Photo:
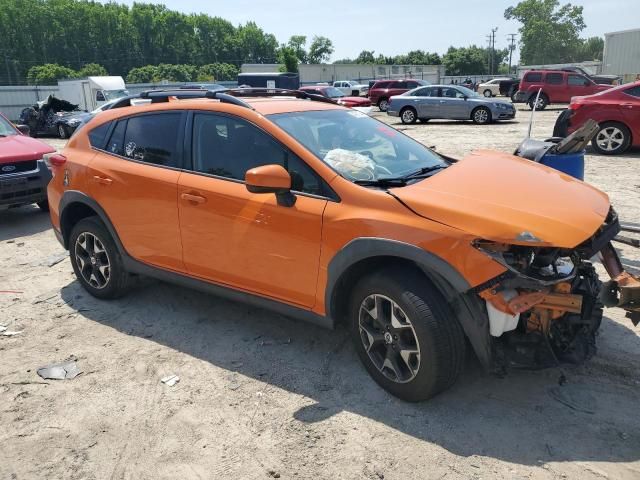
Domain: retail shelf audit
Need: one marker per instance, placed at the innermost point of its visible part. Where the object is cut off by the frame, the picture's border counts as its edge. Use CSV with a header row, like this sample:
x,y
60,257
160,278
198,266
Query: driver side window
x,y
227,147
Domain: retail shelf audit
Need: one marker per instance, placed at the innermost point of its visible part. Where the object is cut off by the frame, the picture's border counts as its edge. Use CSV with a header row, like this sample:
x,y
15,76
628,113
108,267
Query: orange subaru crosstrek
x,y
323,213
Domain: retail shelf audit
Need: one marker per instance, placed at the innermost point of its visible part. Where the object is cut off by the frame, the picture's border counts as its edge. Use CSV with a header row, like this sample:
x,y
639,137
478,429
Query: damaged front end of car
x,y
547,306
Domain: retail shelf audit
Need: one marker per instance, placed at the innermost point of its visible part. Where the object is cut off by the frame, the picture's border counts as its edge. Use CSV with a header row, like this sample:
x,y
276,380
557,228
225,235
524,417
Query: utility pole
x,y
493,49
489,54
512,47
6,62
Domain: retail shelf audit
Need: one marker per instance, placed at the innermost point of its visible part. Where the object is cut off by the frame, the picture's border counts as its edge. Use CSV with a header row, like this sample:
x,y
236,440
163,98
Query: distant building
x,y
622,54
329,73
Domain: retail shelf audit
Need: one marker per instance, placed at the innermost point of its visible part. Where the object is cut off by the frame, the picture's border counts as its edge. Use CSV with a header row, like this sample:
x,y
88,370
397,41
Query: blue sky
x,y
396,27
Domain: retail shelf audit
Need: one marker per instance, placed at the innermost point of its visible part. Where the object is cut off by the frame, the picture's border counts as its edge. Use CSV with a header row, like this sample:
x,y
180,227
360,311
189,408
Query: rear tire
x,y
96,260
408,115
419,351
613,138
487,93
383,104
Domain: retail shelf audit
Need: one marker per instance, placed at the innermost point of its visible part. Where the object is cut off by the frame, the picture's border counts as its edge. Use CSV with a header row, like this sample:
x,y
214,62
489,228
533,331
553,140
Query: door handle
x,y
189,197
627,105
102,180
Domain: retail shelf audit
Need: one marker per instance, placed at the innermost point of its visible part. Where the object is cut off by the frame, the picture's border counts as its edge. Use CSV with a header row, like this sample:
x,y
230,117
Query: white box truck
x,y
91,92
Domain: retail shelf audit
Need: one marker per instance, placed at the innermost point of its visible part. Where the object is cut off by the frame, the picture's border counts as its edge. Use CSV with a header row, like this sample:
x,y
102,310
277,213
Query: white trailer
x,y
91,92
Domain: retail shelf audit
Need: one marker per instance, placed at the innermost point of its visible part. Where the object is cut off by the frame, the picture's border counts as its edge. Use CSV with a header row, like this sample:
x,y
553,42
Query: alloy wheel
x,y
384,105
92,260
481,115
389,339
408,116
610,139
487,93
62,133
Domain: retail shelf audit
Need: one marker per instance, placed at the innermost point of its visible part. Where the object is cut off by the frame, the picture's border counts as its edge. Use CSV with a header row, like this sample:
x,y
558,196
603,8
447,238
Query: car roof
x,y
261,105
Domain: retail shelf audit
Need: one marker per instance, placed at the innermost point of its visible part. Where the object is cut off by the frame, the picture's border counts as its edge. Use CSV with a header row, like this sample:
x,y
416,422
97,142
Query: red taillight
x,y
54,159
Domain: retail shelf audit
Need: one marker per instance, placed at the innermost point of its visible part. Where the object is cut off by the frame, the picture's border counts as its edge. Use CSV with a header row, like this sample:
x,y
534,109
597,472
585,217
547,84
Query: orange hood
x,y
499,197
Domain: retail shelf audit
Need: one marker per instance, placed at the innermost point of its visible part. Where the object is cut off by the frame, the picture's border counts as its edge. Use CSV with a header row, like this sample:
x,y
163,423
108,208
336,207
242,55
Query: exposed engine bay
x,y
547,307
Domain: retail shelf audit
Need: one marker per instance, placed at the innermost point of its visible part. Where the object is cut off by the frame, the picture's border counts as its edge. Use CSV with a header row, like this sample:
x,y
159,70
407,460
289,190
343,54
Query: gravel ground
x,y
261,396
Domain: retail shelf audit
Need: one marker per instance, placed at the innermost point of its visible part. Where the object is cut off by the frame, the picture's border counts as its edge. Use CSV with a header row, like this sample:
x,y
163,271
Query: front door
x,y
135,180
241,239
453,104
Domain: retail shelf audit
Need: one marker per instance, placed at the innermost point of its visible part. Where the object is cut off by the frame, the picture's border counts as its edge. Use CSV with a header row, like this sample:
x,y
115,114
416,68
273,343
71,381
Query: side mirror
x,y
24,129
271,179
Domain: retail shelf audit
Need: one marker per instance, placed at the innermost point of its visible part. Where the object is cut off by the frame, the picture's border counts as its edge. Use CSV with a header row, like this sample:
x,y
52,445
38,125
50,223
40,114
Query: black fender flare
x,y
468,308
71,197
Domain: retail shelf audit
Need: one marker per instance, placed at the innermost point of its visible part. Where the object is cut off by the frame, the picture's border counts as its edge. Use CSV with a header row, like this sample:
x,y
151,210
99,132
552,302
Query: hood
x,y
73,117
18,148
496,196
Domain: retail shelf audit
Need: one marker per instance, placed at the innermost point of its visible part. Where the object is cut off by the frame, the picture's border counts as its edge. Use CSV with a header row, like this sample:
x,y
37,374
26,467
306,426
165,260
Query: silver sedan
x,y
450,102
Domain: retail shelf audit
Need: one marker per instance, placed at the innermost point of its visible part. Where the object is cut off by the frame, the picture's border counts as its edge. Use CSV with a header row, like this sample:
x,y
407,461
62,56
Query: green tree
x,y
418,57
298,43
287,56
471,60
591,49
320,50
217,72
549,32
144,74
175,73
92,69
49,74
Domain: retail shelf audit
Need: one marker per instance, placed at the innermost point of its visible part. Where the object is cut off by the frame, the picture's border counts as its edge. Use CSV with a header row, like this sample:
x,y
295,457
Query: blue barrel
x,y
571,163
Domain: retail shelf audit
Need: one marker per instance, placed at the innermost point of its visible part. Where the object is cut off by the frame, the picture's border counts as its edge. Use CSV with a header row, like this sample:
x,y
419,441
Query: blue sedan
x,y
450,102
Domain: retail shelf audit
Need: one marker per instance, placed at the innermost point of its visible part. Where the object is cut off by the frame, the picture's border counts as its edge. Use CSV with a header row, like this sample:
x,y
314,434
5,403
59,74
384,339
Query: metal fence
x,y
14,99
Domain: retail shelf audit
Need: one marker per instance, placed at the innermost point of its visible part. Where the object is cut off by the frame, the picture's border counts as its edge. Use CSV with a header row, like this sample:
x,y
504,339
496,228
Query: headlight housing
x,y
544,265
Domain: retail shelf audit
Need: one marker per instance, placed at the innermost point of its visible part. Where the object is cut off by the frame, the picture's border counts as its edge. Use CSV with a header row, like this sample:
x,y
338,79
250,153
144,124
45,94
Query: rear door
x,y
427,102
134,178
556,86
241,239
577,85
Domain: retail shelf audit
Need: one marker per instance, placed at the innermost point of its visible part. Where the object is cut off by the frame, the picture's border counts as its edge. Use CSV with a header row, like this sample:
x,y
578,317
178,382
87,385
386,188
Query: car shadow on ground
x,y
526,418
632,152
23,222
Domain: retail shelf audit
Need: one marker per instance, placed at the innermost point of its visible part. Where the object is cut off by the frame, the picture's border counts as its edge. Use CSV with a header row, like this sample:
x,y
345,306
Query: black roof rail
x,y
230,95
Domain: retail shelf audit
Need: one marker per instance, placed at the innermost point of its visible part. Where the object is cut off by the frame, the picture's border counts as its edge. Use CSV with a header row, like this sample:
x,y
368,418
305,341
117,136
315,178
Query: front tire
x,y
96,260
543,101
481,116
408,115
43,205
487,93
613,138
405,334
383,104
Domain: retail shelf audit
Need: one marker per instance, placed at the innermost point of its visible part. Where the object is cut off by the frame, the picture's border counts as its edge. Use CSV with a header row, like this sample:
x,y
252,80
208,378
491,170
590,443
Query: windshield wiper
x,y
382,182
423,172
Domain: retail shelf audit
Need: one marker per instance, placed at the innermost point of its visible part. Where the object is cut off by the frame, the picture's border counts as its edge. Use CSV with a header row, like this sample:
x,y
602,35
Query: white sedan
x,y
491,88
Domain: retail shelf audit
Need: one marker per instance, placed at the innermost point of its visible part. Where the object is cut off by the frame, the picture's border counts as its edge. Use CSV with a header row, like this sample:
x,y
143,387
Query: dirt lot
x,y
262,396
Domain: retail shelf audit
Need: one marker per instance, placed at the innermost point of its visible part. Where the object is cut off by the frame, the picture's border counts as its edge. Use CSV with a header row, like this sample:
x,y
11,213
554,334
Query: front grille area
x,y
18,167
20,194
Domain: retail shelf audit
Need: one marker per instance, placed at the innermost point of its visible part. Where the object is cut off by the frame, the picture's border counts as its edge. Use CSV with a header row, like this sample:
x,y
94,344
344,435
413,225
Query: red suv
x,y
381,91
558,86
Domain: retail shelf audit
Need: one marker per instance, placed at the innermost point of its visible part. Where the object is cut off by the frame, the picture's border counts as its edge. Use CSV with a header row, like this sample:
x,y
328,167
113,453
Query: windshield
x,y
6,128
114,94
333,92
357,146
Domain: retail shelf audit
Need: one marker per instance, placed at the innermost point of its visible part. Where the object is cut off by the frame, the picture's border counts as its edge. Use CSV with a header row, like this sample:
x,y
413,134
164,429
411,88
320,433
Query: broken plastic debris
x,y
9,333
60,371
170,380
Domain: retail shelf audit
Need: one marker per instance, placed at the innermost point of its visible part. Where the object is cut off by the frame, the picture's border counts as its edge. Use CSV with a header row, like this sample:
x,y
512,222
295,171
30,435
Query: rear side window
x,y
412,84
634,92
533,77
154,139
399,85
116,142
97,136
576,80
382,85
554,78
